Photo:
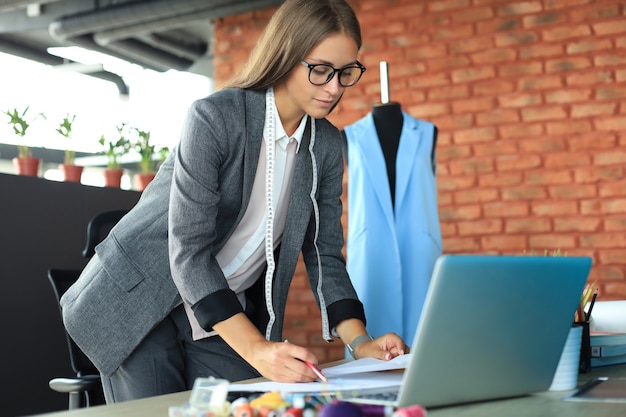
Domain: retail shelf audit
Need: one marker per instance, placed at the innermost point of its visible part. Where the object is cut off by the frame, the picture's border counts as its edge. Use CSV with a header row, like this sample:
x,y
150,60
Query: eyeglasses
x,y
320,74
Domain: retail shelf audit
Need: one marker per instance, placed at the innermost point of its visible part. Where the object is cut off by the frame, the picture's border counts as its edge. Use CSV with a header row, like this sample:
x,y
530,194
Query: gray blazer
x,y
163,250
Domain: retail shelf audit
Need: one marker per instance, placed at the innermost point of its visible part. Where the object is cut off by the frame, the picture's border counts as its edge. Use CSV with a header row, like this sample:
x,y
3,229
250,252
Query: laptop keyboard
x,y
381,397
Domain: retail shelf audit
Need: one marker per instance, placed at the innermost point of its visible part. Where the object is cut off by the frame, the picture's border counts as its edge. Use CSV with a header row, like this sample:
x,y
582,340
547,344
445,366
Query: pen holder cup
x,y
566,374
585,348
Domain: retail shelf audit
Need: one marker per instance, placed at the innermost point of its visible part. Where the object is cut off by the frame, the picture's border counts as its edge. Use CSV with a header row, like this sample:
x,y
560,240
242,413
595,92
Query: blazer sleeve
x,y
337,293
195,200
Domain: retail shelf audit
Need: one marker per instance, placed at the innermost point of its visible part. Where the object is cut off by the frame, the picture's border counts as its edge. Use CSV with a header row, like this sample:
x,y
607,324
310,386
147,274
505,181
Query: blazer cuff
x,y
216,307
345,309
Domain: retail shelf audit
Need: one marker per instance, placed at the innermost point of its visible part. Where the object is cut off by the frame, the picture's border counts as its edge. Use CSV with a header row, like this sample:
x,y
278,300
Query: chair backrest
x,y
61,280
99,227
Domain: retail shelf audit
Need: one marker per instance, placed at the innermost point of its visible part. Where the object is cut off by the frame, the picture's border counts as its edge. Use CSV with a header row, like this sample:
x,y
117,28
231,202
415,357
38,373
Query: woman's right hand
x,y
276,361
283,362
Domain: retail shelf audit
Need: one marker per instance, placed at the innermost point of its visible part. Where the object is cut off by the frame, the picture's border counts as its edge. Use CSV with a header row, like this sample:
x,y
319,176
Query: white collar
x,y
280,130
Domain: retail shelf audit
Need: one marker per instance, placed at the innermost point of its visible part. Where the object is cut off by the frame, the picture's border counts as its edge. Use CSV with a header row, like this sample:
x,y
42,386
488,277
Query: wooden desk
x,y
542,404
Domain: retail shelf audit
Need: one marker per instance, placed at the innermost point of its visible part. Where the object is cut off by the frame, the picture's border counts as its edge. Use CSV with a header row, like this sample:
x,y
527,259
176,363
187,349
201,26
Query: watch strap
x,y
356,342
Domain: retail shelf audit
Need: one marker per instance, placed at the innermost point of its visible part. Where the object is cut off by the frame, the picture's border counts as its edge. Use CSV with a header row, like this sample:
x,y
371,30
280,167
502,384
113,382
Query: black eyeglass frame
x,y
357,65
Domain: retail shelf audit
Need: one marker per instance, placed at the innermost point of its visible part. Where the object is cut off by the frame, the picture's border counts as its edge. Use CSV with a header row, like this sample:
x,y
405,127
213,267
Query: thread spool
x,y
376,410
244,410
340,409
309,412
236,403
411,411
265,411
292,412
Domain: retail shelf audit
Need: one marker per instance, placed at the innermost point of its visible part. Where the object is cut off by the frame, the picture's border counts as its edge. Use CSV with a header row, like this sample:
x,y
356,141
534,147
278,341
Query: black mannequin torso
x,y
388,120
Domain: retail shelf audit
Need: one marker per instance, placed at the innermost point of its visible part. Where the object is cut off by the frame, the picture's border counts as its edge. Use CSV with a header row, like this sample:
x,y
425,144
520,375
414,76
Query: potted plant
x,y
25,164
150,158
71,171
113,151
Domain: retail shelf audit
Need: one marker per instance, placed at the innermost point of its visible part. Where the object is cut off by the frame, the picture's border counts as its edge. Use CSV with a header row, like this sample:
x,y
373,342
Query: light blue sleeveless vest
x,y
391,249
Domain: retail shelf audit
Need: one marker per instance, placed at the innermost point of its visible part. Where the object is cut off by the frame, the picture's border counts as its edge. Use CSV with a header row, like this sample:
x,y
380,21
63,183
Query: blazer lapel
x,y
254,122
299,210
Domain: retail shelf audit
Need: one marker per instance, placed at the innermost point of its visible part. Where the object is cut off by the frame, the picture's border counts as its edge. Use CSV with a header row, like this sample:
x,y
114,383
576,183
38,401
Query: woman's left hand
x,y
385,347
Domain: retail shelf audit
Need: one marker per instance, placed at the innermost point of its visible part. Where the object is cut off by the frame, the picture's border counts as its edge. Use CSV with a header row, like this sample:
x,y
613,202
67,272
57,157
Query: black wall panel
x,y
42,225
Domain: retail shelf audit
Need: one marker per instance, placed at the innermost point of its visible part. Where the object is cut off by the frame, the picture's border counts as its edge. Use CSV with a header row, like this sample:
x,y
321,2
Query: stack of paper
x,y
608,333
350,376
607,348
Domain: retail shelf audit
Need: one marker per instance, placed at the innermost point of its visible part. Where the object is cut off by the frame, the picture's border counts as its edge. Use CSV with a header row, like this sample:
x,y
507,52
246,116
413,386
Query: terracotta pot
x,y
72,173
113,178
142,181
26,166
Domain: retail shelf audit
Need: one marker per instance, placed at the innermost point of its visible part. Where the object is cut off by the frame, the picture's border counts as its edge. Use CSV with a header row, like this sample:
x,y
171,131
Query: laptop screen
x,y
492,326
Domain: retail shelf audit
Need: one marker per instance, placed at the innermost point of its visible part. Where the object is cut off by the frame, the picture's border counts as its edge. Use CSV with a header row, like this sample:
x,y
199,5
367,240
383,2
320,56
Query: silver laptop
x,y
491,327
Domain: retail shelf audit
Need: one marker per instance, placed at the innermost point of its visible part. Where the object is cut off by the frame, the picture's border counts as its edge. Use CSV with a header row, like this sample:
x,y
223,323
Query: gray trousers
x,y
169,360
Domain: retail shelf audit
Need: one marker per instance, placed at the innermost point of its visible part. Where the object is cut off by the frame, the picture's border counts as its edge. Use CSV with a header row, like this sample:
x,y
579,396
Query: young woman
x,y
193,281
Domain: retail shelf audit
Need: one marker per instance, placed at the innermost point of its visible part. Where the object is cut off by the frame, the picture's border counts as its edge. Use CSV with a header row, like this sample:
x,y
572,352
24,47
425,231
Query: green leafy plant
x,y
20,125
148,151
116,149
65,130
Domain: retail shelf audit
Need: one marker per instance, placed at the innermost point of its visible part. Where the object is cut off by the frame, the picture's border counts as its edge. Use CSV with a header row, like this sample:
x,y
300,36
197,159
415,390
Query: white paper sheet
x,y
349,376
368,365
609,316
351,382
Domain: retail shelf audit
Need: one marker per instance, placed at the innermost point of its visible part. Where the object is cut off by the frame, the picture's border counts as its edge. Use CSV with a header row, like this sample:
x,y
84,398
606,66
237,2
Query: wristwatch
x,y
356,342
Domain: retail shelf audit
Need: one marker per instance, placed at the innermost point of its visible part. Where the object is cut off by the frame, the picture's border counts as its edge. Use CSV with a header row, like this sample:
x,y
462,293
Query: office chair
x,y
99,227
84,389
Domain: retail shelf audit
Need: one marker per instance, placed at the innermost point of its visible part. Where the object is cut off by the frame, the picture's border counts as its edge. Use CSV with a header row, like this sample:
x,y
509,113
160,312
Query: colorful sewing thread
x,y
244,410
292,412
411,411
338,408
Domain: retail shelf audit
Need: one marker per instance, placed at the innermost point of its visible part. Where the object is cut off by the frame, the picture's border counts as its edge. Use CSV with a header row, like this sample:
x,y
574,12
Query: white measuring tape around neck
x,y
270,158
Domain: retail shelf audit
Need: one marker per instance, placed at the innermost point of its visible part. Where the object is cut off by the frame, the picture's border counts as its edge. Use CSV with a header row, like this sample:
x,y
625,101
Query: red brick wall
x,y
530,101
